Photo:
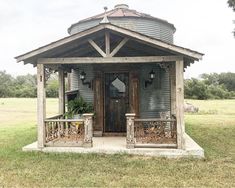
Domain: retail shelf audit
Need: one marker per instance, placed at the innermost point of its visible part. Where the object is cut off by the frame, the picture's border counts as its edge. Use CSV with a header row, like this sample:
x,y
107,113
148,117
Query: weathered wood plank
x,y
179,68
107,43
173,88
119,46
97,48
61,92
64,120
100,60
41,105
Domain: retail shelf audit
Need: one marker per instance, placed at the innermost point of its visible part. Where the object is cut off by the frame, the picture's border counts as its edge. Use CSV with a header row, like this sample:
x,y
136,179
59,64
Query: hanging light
x,y
83,77
150,80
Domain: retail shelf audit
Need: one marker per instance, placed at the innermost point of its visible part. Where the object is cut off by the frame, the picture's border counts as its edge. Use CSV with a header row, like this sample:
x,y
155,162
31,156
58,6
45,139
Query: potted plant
x,y
77,107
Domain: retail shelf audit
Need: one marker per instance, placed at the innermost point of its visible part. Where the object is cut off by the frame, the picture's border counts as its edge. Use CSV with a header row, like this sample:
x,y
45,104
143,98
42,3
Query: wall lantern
x,y
83,78
150,80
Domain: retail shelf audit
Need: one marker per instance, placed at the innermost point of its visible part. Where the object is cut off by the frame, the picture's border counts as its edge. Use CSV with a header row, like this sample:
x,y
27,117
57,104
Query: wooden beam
x,y
119,46
157,43
100,60
59,43
97,48
107,43
179,70
41,105
61,92
173,88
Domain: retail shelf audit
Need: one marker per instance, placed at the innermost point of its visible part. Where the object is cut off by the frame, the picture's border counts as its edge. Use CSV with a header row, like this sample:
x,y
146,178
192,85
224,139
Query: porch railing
x,y
69,132
151,132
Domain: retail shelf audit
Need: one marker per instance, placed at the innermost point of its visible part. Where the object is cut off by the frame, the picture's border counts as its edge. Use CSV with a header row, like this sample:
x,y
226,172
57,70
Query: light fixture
x,y
83,78
150,80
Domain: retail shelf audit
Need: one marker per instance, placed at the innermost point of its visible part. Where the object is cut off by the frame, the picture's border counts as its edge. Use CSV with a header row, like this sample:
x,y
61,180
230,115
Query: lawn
x,y
213,128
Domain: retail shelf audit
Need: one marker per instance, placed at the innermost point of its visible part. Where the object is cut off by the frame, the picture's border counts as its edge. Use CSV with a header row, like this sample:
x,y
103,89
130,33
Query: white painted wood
x,y
61,92
97,48
119,46
179,67
88,60
41,105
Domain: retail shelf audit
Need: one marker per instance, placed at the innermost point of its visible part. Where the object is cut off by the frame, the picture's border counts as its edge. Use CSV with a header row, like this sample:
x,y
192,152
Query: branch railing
x,y
69,132
151,132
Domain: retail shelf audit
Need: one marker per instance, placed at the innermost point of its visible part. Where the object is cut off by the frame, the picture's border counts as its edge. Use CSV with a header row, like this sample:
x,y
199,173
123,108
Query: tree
x,y
231,3
6,84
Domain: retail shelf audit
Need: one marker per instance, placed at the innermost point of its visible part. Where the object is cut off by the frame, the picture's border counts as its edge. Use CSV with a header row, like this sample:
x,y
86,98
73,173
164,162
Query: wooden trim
x,y
100,60
96,47
64,120
134,93
119,46
41,105
98,102
173,88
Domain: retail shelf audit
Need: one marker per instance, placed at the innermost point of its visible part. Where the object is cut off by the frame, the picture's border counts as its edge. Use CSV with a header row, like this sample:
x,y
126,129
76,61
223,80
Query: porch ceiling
x,y
77,45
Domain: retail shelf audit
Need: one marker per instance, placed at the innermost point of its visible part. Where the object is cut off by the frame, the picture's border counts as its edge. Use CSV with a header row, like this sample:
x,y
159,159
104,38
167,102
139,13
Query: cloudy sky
x,y
202,25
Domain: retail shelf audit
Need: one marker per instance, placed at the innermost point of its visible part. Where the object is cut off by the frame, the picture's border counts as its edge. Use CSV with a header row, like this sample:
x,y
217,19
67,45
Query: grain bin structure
x,y
125,64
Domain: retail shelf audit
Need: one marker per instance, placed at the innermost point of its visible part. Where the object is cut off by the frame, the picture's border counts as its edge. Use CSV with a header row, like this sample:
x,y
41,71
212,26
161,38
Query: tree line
x,y
25,86
207,86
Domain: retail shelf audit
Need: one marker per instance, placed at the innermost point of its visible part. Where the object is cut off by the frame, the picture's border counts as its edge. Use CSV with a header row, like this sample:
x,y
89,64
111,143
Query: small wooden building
x,y
125,63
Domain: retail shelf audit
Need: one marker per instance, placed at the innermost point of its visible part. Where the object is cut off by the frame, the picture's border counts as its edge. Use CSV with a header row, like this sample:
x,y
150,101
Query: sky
x,y
202,25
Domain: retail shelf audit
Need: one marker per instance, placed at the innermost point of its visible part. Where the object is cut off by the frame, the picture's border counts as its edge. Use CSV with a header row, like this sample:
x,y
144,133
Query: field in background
x,y
213,128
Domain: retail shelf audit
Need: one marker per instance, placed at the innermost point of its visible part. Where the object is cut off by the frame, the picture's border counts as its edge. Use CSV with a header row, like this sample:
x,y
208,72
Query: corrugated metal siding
x,y
152,28
84,91
156,97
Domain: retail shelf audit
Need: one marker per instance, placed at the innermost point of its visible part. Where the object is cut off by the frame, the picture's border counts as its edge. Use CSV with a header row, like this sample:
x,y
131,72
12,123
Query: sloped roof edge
x,y
135,35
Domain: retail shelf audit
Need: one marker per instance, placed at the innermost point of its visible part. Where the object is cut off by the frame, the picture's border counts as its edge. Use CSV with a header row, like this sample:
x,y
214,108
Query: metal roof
x,y
122,11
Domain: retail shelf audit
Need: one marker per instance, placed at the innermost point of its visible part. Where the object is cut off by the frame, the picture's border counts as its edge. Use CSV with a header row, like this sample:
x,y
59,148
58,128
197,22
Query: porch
x,y
135,83
117,145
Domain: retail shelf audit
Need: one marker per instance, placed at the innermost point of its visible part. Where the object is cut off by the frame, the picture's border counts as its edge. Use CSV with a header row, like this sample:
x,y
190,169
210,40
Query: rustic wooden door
x,y
116,101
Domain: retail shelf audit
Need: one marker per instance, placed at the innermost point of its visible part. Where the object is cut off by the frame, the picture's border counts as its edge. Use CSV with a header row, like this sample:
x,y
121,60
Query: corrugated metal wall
x,y
152,28
84,91
156,97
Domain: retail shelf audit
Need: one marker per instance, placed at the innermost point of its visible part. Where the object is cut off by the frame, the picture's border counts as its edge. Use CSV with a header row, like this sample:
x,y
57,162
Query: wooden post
x,y
88,126
130,141
107,43
61,92
41,105
179,67
173,88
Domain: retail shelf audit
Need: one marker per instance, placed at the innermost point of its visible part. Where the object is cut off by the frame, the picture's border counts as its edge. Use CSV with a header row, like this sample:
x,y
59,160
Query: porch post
x,y
179,67
88,126
41,104
61,92
130,142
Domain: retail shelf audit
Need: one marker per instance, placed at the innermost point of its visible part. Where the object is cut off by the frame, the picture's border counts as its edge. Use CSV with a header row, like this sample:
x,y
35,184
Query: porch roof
x,y
49,50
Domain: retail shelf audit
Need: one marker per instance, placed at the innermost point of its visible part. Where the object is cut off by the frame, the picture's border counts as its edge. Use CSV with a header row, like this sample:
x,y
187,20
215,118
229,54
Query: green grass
x,y
213,128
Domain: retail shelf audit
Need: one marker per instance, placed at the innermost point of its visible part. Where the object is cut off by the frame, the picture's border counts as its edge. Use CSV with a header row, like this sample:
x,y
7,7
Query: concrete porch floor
x,y
113,145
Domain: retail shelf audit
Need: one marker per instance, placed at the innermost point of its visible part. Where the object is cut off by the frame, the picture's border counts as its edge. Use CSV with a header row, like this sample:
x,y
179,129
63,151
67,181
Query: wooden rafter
x,y
97,48
119,46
